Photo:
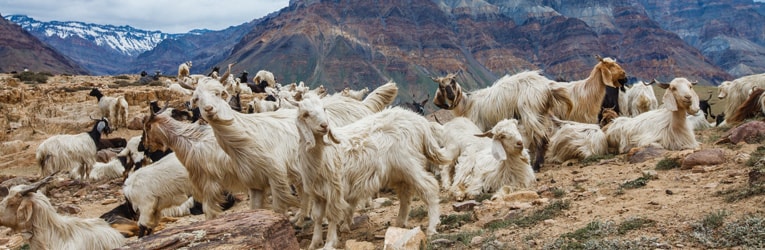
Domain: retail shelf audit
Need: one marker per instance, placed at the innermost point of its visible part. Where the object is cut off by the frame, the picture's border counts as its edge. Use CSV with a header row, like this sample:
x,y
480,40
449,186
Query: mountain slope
x,y
359,44
20,50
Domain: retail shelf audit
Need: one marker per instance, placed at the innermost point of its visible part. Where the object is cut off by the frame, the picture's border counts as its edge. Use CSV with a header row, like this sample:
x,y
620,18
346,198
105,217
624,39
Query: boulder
x,y
704,157
638,155
397,238
252,229
750,132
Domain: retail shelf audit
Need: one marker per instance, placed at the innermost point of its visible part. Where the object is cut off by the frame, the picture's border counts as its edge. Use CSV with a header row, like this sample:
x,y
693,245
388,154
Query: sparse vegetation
x,y
532,218
737,194
595,236
461,237
483,196
758,154
33,77
457,220
418,213
596,158
668,163
557,192
637,183
713,232
122,77
634,224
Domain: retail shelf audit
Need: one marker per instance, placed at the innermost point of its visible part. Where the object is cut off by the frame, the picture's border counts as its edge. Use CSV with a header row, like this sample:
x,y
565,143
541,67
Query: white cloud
x,y
170,16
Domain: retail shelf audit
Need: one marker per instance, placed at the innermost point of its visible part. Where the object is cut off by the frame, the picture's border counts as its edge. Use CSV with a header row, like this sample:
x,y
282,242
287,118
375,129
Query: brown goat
x,y
749,109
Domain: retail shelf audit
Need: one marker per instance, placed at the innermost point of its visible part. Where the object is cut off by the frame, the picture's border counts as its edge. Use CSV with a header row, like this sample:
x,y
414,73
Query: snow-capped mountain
x,y
126,40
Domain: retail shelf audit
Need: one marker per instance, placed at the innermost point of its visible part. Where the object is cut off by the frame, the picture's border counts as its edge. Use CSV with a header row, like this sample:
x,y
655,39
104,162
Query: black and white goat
x,y
74,153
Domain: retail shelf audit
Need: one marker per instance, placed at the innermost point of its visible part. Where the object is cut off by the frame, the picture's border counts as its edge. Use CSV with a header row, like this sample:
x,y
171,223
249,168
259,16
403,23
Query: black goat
x,y
415,106
105,143
243,77
215,69
706,107
611,100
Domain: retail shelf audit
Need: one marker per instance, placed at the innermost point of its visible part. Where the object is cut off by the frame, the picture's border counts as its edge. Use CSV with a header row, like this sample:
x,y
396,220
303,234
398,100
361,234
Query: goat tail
x,y
433,151
381,97
560,96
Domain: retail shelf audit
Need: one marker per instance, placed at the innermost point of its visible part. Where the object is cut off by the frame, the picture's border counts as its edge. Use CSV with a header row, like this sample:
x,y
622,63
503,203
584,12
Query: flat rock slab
x,y
750,132
253,229
638,155
704,157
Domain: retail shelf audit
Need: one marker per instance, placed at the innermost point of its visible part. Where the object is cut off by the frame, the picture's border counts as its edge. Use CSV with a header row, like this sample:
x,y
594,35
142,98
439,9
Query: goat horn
x,y
35,186
694,82
167,104
91,117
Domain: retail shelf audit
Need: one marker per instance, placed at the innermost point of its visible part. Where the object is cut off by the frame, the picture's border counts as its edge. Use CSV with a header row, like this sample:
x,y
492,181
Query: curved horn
x,y
167,104
600,59
694,82
91,117
35,186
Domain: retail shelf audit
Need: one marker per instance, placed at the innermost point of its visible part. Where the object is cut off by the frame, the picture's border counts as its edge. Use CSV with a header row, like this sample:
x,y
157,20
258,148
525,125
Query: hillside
x,y
606,203
19,50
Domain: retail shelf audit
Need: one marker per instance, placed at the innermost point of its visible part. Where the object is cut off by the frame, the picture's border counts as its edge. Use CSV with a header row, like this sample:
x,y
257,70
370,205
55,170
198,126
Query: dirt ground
x,y
672,204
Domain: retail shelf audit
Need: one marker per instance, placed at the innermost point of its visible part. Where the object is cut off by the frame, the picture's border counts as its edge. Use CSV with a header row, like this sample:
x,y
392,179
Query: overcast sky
x,y
170,16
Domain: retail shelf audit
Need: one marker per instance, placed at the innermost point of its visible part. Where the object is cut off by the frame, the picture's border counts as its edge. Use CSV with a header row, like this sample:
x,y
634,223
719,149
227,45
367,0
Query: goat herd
x,y
328,154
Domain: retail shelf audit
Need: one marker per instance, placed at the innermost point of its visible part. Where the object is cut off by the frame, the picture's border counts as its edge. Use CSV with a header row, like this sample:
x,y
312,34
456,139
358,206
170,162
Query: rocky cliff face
x,y
342,44
20,50
730,33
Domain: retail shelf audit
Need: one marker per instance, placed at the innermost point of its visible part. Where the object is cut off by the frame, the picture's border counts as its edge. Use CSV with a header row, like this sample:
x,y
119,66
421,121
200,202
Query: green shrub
x,y
33,77
668,163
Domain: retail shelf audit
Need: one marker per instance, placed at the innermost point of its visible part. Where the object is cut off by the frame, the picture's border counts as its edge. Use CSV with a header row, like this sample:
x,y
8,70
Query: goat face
x,y
681,96
312,121
613,74
506,139
16,208
152,138
213,108
449,92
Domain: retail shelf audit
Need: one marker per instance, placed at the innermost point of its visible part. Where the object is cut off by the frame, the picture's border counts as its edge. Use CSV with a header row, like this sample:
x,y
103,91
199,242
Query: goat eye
x,y
305,114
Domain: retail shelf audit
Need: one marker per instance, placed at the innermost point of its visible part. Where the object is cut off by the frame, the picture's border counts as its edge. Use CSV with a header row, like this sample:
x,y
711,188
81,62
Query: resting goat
x,y
666,127
30,213
495,160
526,96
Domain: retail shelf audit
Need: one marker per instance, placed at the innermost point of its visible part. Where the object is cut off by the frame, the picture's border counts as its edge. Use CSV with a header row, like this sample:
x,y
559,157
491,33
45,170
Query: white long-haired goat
x,y
499,159
666,126
575,140
113,108
737,91
457,135
387,149
527,96
152,188
30,213
184,69
73,153
587,95
638,99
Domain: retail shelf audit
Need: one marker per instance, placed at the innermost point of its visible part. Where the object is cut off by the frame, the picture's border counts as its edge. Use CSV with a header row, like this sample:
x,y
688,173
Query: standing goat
x,y
526,96
30,213
113,108
387,149
587,95
667,126
184,70
74,153
638,99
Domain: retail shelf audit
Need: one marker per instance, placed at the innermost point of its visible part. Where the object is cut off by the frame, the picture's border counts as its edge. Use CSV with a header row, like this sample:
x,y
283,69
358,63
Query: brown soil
x,y
675,200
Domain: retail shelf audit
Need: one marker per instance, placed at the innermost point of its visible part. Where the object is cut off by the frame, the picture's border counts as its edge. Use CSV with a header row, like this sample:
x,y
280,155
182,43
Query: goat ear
x,y
600,58
306,134
669,101
24,213
498,151
606,76
485,134
331,136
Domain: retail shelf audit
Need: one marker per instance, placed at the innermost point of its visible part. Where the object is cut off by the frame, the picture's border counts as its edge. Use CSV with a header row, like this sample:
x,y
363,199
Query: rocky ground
x,y
704,198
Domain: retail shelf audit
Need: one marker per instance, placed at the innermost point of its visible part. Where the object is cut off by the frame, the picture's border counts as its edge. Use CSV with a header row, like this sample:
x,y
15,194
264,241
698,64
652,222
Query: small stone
x,y
711,185
361,245
439,242
402,238
465,205
581,179
600,198
108,201
549,222
476,240
669,192
653,203
650,172
69,209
